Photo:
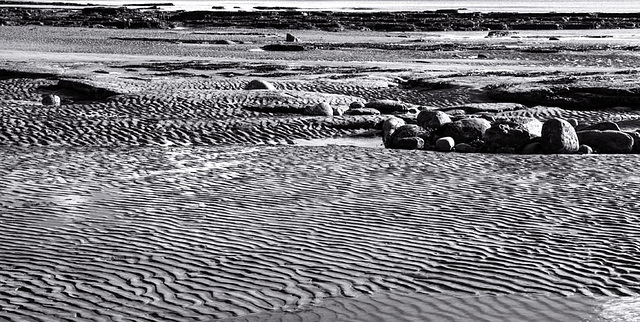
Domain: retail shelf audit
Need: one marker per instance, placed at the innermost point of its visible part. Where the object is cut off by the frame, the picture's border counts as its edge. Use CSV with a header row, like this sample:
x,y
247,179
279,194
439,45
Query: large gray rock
x,y
51,100
403,132
433,119
465,130
388,106
320,109
389,126
607,141
559,136
259,84
512,134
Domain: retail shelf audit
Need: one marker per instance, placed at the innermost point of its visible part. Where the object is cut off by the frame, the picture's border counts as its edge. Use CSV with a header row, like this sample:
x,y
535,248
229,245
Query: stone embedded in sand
x,y
464,148
432,119
602,126
320,109
388,106
259,84
410,143
405,131
362,111
559,136
511,134
225,42
283,47
389,126
585,149
533,148
51,100
291,38
607,141
465,130
445,144
636,141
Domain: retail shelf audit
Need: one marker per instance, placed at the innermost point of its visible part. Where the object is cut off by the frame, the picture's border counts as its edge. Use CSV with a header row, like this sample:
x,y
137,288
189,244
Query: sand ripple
x,y
314,233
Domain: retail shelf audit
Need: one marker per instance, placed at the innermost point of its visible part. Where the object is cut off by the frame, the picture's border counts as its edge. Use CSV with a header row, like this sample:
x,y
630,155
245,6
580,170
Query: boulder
x,y
559,136
432,119
411,143
464,148
291,38
356,104
320,109
512,134
465,130
259,84
607,141
388,106
445,144
51,100
362,111
405,131
389,126
602,126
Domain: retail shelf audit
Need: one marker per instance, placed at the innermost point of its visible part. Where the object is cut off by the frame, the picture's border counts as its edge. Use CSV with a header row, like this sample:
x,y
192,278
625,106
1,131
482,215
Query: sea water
x,y
537,6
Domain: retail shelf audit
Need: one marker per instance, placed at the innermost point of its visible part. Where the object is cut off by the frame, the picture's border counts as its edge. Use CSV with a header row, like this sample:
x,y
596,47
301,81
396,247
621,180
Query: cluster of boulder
x,y
435,130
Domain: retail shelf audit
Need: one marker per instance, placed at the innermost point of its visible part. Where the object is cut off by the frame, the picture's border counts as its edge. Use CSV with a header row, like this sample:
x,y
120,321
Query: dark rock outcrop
x,y
283,47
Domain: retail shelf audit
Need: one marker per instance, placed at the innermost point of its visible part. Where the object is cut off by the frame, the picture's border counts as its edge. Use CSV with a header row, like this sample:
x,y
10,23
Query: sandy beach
x,y
160,189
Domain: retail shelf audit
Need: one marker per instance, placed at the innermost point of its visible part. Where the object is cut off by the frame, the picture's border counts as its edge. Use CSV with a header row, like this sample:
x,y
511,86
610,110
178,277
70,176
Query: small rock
x,y
259,84
362,111
433,119
355,105
410,143
292,38
585,149
532,148
389,126
465,130
607,141
559,136
321,109
51,100
388,106
445,144
464,148
602,126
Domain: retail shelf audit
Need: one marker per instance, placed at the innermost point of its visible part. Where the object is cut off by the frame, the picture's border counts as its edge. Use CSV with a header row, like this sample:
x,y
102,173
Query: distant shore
x,y
148,16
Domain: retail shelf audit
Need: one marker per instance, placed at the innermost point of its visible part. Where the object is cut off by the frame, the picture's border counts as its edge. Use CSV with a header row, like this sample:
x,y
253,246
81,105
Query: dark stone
x,y
283,47
355,105
507,135
585,149
464,148
445,144
532,148
292,38
51,100
362,111
405,131
603,126
225,42
607,141
411,143
636,141
388,106
559,136
321,109
465,130
259,84
432,119
389,126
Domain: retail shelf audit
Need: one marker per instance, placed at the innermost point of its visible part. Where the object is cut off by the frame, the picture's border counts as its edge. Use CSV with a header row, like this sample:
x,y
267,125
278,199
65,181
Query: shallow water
x,y
324,233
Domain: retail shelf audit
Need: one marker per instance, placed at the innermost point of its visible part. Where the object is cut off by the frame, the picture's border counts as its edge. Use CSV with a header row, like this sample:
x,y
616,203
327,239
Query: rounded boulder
x,y
445,144
511,135
320,109
259,84
558,137
51,100
615,142
388,106
465,130
433,119
389,126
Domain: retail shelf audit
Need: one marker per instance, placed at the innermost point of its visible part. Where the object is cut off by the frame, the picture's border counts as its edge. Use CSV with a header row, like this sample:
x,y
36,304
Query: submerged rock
x,y
559,136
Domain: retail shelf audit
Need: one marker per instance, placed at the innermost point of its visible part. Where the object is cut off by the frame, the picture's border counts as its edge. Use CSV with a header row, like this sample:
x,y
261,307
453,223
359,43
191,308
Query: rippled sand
x,y
316,234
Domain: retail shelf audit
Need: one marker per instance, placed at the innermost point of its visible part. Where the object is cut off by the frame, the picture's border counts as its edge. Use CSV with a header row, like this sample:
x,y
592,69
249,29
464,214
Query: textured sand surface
x,y
184,198
315,233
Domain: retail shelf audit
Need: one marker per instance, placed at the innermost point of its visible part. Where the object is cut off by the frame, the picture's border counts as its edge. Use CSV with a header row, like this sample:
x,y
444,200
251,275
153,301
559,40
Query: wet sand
x,y
178,200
